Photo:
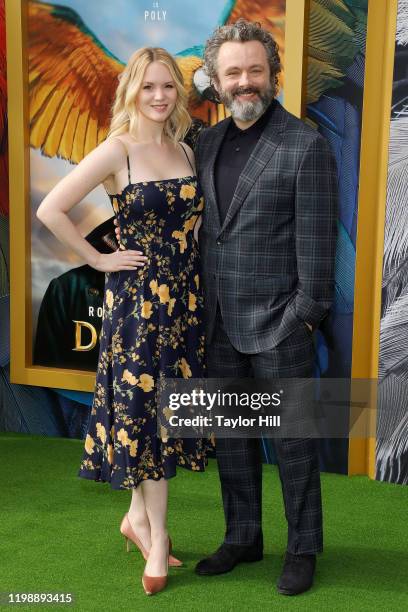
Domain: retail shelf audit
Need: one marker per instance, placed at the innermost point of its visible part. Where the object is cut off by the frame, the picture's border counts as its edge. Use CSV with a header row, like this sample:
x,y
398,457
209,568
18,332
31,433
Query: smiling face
x,y
243,79
158,94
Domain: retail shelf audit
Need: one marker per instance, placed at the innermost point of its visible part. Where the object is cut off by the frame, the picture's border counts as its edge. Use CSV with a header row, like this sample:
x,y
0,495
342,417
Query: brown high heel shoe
x,y
154,584
127,531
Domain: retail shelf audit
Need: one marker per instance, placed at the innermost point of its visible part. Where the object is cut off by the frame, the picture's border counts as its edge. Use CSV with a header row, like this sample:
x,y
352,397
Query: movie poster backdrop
x,y
76,52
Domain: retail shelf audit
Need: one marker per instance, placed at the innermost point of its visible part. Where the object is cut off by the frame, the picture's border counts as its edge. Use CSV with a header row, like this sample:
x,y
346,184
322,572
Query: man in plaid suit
x,y
267,242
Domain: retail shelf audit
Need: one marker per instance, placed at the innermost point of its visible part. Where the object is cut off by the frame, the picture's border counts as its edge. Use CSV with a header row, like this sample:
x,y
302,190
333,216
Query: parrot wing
x,y
72,83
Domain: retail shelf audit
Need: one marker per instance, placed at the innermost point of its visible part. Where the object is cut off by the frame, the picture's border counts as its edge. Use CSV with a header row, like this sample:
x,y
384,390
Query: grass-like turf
x,y
60,533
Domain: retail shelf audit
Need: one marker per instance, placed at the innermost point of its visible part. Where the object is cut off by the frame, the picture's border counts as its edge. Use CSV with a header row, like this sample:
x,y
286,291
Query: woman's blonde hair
x,y
124,110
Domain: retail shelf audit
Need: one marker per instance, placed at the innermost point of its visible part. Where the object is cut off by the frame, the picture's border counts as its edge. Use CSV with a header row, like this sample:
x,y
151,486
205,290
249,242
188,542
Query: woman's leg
x,y
138,517
155,495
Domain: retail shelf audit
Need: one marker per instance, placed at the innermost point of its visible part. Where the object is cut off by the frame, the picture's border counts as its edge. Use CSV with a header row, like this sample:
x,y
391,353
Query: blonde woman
x,y
152,317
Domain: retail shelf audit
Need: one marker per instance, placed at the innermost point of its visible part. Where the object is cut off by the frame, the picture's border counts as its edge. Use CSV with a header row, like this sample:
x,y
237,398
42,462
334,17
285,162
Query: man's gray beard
x,y
247,111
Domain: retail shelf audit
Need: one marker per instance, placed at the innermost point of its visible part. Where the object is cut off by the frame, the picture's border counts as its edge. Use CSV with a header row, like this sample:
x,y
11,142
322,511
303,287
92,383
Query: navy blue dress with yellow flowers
x,y
152,326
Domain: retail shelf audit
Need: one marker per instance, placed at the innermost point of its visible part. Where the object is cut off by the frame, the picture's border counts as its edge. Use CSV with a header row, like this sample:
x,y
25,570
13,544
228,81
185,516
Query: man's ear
x,y
215,85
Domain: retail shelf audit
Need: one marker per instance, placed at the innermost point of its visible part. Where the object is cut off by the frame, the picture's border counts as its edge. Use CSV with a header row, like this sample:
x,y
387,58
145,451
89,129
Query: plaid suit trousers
x,y
240,461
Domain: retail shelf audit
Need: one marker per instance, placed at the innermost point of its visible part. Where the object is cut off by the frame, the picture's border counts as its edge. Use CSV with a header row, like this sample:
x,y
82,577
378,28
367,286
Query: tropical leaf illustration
x,y
336,35
396,224
392,421
394,322
402,23
392,430
394,337
344,272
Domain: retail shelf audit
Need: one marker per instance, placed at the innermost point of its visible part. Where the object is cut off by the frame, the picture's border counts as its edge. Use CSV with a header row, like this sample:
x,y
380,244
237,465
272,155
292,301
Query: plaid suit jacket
x,y
271,262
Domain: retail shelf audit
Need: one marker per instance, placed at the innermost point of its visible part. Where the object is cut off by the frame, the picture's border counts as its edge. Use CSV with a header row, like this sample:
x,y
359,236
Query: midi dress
x,y
152,327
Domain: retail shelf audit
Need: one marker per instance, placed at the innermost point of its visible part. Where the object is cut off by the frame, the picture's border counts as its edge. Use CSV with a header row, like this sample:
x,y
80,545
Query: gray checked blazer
x,y
271,263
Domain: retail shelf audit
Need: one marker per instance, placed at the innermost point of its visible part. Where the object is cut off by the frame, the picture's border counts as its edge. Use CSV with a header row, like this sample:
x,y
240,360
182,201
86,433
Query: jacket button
x,y
218,242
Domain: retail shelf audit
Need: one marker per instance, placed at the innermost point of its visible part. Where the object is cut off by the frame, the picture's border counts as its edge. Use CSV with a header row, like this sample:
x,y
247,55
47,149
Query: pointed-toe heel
x,y
130,536
153,584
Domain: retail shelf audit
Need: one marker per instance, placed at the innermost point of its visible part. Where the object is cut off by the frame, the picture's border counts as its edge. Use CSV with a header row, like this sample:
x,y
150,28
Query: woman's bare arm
x,y
103,162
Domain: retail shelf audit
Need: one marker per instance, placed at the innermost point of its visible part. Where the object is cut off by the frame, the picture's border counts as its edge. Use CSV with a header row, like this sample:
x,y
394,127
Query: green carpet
x,y
61,533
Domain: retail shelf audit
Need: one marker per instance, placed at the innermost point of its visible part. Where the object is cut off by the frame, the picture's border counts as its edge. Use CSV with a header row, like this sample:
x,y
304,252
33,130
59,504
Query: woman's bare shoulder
x,y
115,149
116,145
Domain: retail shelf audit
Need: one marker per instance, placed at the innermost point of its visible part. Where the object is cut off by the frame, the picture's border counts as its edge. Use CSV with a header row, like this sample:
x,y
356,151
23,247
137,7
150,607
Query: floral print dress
x,y
152,326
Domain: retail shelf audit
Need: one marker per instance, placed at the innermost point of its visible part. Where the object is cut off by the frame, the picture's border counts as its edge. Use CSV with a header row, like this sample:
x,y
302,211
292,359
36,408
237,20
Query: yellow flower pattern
x,y
187,192
146,309
182,239
151,326
109,299
185,368
192,301
172,301
128,377
146,382
89,444
101,431
123,437
163,292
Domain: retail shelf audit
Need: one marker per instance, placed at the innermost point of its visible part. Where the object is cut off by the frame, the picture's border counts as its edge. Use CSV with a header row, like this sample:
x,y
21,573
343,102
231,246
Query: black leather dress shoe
x,y
227,557
297,574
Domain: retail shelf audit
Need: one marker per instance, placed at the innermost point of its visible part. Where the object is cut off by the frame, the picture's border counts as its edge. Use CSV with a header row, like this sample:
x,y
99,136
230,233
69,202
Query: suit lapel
x,y
218,133
260,156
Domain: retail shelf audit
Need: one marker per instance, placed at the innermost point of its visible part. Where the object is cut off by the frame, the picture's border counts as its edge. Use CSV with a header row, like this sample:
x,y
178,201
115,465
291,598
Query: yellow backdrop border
x,y
379,66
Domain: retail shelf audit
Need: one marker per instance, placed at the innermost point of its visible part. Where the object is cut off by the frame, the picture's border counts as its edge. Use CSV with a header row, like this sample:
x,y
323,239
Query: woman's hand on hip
x,y
120,260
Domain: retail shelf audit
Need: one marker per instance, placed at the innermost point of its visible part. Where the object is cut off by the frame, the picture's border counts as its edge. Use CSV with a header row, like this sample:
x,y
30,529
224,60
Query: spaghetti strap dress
x,y
152,326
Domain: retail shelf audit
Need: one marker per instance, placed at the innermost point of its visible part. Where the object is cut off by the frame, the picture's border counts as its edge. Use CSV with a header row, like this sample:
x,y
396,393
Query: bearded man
x,y
267,244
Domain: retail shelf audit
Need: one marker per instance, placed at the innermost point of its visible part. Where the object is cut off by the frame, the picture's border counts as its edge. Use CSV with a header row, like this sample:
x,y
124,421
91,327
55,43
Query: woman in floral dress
x,y
152,316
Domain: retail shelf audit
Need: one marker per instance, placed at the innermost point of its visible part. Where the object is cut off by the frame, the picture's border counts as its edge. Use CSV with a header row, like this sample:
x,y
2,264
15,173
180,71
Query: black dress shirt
x,y
233,154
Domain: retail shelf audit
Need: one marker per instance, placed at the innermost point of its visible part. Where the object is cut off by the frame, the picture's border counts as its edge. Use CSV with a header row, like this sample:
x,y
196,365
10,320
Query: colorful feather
x,y
336,35
73,79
